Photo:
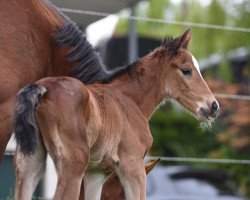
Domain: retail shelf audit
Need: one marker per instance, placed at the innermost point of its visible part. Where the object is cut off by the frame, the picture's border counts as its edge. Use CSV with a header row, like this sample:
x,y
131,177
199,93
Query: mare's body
x,y
91,130
27,53
33,45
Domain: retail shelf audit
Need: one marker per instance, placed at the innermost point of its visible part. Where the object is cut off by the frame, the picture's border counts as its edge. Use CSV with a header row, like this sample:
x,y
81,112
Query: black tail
x,y
25,125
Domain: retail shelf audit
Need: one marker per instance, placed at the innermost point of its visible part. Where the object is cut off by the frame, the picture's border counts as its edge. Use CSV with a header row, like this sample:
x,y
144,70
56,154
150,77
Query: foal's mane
x,y
171,45
89,67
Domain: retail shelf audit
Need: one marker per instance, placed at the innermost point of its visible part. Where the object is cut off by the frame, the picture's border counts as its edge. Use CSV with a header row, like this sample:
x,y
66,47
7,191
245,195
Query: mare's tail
x,y
25,124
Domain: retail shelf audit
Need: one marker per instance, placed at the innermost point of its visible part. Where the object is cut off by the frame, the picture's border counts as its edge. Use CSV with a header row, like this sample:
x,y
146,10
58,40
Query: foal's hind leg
x,y
71,159
70,172
29,170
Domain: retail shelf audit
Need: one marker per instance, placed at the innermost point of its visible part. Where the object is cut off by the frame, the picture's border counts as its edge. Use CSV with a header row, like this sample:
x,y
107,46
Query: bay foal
x,y
90,130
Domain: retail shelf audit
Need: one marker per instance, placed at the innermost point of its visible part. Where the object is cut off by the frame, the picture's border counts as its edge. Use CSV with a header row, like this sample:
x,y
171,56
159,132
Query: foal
x,y
91,130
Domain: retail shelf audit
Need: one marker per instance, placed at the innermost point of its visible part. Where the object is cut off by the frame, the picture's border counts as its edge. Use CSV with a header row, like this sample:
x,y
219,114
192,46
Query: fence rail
x,y
184,159
200,160
161,21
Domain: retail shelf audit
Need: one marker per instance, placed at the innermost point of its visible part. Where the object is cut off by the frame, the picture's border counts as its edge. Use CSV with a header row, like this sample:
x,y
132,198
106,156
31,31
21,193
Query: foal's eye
x,y
186,71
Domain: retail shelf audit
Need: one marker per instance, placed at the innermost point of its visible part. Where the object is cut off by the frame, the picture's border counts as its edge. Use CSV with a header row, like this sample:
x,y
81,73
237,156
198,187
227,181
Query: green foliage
x,y
121,27
175,134
207,41
225,73
157,10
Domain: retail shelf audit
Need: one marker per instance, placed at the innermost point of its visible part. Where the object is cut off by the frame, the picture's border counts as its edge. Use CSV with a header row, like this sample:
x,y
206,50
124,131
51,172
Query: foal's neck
x,y
142,84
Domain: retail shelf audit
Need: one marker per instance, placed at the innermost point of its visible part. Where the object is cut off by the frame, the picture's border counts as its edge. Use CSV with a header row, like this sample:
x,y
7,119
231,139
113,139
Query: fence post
x,y
132,39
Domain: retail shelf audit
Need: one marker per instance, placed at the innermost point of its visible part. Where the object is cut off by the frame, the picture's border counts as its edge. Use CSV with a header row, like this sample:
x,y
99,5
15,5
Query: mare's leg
x,y
93,182
29,170
132,176
6,116
5,134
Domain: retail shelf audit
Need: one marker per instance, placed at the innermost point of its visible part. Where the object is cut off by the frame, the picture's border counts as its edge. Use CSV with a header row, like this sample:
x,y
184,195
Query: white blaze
x,y
196,64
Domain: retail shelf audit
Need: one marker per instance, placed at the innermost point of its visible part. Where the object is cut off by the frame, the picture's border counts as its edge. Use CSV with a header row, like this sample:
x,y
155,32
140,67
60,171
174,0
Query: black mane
x,y
90,67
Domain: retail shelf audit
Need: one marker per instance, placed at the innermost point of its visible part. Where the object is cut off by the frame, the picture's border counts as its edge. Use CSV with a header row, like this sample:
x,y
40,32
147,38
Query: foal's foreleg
x,y
29,170
93,182
132,176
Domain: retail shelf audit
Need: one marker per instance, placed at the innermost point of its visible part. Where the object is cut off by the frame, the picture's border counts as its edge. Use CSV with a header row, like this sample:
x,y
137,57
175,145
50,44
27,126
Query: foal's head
x,y
183,79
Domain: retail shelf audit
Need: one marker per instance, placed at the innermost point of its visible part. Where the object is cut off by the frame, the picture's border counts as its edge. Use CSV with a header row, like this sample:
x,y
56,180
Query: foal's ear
x,y
185,39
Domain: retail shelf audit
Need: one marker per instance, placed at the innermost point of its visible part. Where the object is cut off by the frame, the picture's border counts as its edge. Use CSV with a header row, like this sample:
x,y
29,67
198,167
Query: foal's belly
x,y
104,156
104,152
105,129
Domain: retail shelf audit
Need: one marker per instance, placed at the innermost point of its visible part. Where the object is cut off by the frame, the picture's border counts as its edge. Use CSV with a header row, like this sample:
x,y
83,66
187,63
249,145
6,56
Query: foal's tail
x,y
25,124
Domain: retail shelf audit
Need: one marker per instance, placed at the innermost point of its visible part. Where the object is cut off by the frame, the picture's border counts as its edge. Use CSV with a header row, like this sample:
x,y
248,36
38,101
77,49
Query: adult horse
x,y
28,52
90,130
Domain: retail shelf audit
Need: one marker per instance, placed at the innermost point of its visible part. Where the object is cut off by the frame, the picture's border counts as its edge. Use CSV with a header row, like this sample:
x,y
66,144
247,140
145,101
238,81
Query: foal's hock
x,y
92,130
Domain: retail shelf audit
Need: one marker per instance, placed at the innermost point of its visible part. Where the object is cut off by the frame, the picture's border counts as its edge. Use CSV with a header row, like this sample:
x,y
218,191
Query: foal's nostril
x,y
215,106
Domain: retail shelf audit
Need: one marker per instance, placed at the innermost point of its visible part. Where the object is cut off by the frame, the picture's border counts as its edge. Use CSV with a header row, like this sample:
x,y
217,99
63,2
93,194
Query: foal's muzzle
x,y
210,112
